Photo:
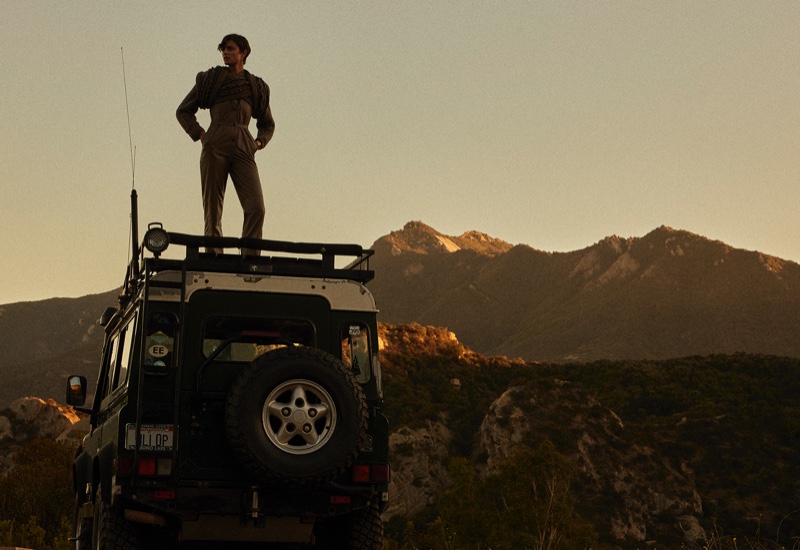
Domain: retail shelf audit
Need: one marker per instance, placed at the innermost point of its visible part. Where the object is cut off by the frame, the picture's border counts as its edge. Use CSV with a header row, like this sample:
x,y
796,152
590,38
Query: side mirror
x,y
76,390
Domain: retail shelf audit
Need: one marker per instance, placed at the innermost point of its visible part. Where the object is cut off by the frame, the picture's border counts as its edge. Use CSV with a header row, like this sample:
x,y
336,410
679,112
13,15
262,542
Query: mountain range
x,y
668,294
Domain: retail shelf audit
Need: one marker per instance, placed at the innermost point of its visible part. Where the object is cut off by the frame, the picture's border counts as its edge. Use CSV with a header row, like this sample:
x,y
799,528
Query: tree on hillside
x,y
36,496
526,504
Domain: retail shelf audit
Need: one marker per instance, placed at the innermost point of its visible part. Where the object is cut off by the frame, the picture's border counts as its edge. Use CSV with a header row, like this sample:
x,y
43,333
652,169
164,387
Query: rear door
x,y
224,331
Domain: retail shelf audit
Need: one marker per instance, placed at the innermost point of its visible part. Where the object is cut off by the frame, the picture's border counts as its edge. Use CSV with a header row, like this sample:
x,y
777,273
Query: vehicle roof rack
x,y
319,258
299,259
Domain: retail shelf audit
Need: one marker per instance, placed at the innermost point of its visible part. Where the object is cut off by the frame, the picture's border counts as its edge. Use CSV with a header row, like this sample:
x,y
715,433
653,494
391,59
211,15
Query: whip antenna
x,y
128,112
133,268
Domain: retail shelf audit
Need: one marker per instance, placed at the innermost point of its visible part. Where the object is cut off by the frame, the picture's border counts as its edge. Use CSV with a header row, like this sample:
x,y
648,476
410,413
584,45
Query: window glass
x,y
112,362
126,345
244,339
119,358
355,350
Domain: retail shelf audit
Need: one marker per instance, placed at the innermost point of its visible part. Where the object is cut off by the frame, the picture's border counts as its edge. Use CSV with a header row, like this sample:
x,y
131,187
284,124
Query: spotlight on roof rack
x,y
156,240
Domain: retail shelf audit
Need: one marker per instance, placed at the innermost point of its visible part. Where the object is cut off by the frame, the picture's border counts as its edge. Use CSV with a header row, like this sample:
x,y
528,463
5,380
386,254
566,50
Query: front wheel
x,y
82,527
359,530
111,531
367,530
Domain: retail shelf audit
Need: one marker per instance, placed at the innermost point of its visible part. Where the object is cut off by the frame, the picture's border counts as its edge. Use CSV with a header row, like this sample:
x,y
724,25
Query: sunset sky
x,y
551,124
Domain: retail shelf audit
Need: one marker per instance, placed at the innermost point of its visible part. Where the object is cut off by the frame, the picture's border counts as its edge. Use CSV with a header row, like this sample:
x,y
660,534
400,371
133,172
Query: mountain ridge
x,y
669,293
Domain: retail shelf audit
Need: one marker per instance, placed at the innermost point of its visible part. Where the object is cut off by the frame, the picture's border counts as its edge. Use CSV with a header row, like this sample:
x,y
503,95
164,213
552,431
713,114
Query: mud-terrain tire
x,y
82,528
366,532
296,415
111,531
359,530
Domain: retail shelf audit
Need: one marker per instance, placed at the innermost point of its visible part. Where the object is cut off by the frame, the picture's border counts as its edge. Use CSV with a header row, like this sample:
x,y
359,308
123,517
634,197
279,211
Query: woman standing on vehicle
x,y
233,96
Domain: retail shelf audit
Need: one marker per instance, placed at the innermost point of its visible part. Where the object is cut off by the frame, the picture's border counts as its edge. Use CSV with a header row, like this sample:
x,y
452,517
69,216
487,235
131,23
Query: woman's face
x,y
232,55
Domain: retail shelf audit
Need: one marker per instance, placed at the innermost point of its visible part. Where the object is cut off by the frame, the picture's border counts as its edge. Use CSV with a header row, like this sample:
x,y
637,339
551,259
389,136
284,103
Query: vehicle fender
x,y
104,468
81,474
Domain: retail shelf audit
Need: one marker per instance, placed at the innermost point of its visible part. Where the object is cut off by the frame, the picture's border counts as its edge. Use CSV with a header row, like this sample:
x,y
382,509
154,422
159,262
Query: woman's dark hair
x,y
239,40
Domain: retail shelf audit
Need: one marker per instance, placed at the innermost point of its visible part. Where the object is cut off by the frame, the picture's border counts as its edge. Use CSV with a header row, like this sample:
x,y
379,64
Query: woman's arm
x,y
186,116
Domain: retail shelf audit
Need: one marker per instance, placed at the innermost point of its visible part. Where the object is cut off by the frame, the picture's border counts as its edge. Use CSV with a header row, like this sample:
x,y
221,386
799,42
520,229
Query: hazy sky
x,y
552,124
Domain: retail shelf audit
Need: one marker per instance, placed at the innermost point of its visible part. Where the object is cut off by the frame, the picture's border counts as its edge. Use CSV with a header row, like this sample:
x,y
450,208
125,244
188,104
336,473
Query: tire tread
x,y
114,531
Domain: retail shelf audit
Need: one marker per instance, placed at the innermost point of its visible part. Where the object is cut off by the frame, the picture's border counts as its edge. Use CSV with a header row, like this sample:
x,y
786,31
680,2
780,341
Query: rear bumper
x,y
250,503
245,513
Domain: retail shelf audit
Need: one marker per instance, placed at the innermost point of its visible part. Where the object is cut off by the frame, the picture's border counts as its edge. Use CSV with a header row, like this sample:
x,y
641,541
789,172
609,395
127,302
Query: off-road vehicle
x,y
239,400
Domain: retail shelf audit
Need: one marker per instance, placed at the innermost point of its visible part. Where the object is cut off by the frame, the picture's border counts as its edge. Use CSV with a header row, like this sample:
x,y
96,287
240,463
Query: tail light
x,y
380,473
146,466
371,473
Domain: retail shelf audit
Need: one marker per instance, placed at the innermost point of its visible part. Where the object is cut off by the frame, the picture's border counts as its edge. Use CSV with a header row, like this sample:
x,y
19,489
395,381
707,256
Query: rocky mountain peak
x,y
673,254
482,243
419,238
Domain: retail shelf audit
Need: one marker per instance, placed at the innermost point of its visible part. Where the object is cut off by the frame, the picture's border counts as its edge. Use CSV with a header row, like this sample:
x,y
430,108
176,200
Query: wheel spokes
x,y
299,416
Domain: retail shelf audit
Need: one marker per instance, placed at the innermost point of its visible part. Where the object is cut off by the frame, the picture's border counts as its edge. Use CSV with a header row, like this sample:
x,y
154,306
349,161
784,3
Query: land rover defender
x,y
238,401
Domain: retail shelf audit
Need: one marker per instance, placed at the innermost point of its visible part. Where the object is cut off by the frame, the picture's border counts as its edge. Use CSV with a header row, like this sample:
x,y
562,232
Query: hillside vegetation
x,y
722,430
682,453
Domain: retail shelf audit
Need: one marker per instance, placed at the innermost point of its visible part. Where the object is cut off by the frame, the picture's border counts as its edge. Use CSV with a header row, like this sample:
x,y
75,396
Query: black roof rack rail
x,y
328,251
293,258
297,259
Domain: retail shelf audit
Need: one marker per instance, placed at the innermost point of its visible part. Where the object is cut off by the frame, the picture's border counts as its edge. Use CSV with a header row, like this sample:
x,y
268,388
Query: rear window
x,y
355,350
244,339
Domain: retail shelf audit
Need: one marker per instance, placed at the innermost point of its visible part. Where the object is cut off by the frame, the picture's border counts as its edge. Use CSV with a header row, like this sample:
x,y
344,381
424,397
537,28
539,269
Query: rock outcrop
x,y
644,484
43,418
419,467
29,418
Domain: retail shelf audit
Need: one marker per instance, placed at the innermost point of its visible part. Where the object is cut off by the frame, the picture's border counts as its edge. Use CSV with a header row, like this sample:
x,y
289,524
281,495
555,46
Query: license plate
x,y
152,437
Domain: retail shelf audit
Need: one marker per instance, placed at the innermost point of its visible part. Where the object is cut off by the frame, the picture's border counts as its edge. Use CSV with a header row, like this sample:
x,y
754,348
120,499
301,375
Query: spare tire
x,y
296,414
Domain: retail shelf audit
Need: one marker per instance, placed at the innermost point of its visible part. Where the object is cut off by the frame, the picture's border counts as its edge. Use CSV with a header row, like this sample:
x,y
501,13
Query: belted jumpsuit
x,y
229,149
